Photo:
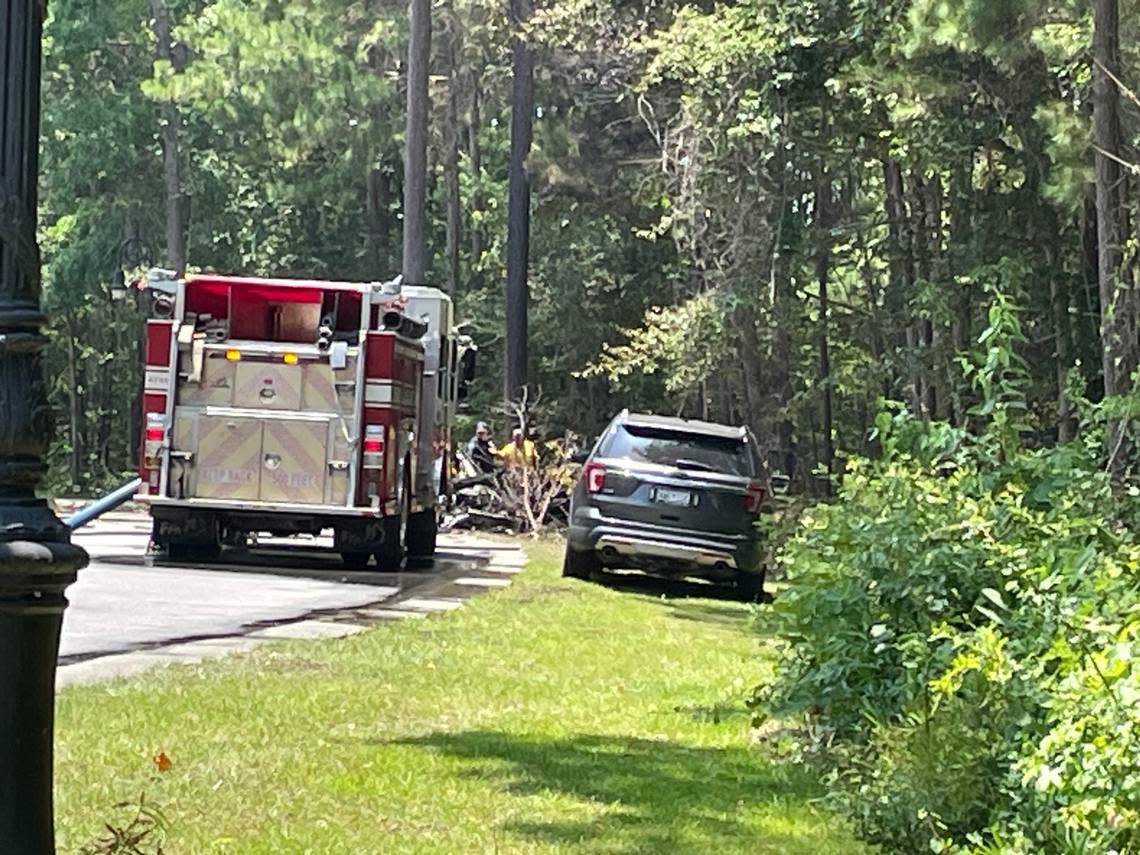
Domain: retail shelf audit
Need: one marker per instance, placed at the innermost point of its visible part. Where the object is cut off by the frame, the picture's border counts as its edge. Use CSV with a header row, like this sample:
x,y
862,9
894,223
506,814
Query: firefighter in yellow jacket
x,y
520,451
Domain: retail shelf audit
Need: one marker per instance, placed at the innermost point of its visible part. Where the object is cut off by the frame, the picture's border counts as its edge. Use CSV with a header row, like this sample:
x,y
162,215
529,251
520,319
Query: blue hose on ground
x,y
108,503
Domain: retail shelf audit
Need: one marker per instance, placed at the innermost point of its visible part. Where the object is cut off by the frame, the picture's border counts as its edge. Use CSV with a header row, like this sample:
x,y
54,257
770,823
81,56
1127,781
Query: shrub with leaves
x,y
961,629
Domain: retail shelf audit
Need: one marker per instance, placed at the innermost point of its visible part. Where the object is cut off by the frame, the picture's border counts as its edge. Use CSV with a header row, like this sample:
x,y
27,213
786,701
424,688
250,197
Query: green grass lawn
x,y
552,716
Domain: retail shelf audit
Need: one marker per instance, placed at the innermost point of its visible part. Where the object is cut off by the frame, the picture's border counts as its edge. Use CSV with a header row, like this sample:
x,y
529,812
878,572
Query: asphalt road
x,y
128,600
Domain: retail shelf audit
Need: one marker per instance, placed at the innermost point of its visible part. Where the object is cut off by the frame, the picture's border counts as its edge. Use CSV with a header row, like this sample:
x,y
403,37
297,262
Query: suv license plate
x,y
677,498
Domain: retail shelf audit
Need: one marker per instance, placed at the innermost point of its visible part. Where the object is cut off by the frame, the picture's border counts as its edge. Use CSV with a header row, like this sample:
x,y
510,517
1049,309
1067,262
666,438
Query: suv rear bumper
x,y
667,551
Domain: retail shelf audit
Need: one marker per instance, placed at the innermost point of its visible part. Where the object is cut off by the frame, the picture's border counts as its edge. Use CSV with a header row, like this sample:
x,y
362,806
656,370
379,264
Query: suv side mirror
x,y
580,456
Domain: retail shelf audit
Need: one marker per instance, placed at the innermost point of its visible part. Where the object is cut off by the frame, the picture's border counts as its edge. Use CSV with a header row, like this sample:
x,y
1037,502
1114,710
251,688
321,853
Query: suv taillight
x,y
595,476
754,497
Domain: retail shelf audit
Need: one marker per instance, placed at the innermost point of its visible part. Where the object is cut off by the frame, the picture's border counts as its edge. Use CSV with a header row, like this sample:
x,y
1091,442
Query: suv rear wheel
x,y
750,587
580,565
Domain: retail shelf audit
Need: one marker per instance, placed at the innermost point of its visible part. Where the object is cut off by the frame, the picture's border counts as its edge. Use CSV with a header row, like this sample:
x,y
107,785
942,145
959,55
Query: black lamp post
x,y
37,559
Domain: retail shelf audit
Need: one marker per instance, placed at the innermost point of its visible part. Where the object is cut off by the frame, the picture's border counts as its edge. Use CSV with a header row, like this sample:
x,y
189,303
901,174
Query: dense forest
x,y
779,214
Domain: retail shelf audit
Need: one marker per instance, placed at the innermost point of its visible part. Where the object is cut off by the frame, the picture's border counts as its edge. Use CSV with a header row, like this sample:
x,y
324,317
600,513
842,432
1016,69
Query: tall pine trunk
x,y
1117,313
518,204
171,165
475,164
823,215
451,155
900,292
379,229
414,264
74,405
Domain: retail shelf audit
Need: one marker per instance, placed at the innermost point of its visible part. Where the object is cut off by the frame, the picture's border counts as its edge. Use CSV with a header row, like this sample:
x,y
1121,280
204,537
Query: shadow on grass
x,y
656,586
708,613
658,796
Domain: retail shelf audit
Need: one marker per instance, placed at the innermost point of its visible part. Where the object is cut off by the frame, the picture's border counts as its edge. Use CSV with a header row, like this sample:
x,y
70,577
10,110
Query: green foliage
x,y
675,237
685,343
962,623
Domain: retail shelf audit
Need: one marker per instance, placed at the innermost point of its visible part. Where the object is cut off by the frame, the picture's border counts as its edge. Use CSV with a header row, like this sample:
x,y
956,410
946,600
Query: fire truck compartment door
x,y
268,386
215,388
229,458
294,461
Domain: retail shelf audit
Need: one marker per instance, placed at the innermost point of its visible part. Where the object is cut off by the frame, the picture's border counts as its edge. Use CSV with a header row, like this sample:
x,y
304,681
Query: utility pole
x,y
37,559
415,144
518,203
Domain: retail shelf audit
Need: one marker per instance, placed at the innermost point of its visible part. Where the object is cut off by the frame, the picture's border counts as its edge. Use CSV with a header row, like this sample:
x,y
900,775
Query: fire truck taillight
x,y
155,429
154,434
373,446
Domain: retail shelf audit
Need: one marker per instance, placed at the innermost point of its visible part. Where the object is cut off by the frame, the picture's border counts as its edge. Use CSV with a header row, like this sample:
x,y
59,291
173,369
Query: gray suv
x,y
670,497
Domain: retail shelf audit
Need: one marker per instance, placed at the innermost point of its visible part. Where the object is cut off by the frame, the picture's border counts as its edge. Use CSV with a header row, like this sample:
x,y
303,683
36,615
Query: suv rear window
x,y
676,448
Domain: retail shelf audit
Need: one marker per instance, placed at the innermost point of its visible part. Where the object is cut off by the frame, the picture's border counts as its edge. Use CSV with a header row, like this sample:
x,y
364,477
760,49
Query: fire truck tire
x,y
190,550
354,560
390,554
421,534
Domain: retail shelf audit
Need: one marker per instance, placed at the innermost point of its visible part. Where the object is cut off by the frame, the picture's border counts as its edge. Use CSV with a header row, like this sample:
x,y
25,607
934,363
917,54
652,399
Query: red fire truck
x,y
295,406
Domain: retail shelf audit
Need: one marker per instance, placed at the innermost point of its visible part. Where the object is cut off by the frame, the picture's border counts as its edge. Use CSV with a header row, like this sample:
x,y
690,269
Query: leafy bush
x,y
962,629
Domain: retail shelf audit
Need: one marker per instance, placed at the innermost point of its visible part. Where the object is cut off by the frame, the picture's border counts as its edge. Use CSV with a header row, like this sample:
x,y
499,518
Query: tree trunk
x,y
823,205
451,159
171,166
73,406
1116,303
751,367
961,182
475,164
1066,426
940,372
923,330
518,205
379,238
901,291
414,265
1089,295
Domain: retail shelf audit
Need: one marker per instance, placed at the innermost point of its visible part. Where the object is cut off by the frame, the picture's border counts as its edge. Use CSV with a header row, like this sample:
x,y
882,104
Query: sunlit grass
x,y
551,716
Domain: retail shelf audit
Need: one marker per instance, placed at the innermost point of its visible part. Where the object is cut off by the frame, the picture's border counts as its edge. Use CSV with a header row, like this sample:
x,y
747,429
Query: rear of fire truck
x,y
294,406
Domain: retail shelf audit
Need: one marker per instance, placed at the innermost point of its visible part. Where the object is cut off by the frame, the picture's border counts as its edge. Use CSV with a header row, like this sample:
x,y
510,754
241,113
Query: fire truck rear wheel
x,y
390,554
354,560
188,550
421,534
